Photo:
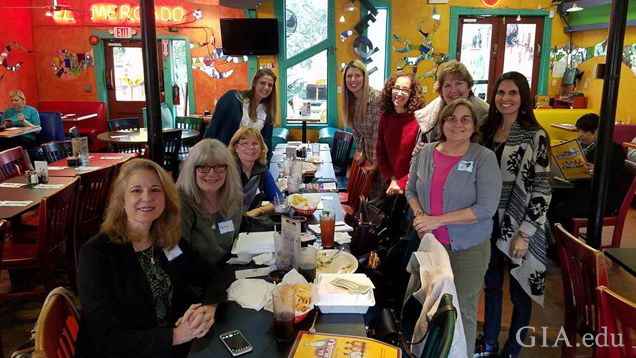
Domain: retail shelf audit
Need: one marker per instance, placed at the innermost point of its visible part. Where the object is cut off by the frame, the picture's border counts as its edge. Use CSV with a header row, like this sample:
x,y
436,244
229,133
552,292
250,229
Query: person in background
x,y
631,153
249,150
20,115
256,107
135,276
453,82
361,112
211,194
453,189
397,130
576,202
518,240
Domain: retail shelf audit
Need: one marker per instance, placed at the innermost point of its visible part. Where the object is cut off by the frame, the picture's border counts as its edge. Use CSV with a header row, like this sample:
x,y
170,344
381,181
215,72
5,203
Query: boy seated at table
x,y
575,203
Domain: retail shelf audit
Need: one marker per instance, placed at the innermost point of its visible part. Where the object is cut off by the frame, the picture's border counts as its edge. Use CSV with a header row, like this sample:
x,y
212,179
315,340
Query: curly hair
x,y
243,133
212,151
416,99
165,231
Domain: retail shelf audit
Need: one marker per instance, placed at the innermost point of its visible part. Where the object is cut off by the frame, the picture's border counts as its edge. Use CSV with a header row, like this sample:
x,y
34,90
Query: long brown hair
x,y
165,231
270,103
349,99
416,100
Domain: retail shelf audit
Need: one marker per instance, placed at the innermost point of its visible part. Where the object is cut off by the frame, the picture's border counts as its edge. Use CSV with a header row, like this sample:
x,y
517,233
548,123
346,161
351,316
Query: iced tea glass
x,y
284,302
327,228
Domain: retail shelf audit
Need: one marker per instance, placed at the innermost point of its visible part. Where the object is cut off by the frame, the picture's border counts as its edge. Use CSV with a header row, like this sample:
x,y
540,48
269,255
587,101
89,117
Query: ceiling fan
x,y
55,6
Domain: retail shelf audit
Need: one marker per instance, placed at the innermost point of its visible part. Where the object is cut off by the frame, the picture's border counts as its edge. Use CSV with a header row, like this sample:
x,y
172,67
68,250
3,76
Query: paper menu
x,y
80,149
570,160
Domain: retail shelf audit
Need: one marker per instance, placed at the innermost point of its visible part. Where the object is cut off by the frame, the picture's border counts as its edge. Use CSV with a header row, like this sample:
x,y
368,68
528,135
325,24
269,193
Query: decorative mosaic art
x,y
207,63
5,54
69,65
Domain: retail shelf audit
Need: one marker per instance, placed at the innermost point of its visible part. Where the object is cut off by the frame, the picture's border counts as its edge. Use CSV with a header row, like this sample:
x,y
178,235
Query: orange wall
x,y
51,37
16,26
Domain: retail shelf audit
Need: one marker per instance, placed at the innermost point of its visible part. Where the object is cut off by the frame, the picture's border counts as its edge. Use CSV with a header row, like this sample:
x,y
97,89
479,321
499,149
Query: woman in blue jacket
x,y
256,107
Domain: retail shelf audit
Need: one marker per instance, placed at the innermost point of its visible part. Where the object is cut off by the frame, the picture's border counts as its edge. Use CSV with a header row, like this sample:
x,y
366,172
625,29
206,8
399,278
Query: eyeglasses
x,y
397,89
204,168
246,144
464,120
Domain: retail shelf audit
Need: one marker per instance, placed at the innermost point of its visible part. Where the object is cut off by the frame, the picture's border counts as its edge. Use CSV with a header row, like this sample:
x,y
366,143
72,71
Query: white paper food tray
x,y
335,300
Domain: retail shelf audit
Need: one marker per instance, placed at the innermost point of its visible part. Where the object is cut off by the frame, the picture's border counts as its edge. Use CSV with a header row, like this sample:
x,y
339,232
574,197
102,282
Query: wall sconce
x,y
435,15
49,13
574,8
350,7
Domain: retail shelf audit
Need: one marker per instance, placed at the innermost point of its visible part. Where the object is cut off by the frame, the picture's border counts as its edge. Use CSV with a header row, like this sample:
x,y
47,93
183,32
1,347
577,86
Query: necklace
x,y
151,256
495,147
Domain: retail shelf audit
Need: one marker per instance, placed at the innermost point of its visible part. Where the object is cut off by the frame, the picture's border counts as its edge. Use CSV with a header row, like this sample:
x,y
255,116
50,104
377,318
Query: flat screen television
x,y
569,78
249,36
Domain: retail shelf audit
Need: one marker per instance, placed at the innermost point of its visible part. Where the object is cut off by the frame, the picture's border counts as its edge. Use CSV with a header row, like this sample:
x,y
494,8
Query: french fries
x,y
303,297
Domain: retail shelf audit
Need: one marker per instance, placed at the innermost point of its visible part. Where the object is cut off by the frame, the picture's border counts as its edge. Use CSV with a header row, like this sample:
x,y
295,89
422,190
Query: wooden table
x,y
18,131
96,161
25,193
564,126
629,145
74,118
624,257
138,136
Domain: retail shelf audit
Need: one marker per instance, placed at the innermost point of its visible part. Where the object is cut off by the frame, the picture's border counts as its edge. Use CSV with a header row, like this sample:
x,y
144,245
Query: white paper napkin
x,y
48,186
105,157
15,203
12,185
56,168
251,293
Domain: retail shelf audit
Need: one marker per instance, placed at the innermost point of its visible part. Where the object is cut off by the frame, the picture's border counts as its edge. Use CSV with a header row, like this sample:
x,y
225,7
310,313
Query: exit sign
x,y
123,32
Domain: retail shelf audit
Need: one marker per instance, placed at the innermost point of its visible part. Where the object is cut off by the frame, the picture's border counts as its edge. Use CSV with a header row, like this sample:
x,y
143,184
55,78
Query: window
x,y
378,32
307,62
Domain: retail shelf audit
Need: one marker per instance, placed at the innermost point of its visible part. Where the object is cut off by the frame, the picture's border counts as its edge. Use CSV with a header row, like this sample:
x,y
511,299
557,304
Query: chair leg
x,y
569,350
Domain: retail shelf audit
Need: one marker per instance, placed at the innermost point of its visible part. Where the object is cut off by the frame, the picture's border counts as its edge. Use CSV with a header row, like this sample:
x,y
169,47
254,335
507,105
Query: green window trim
x,y
544,62
329,45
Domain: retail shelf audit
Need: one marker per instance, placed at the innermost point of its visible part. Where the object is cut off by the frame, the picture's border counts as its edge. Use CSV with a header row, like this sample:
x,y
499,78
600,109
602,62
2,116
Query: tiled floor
x,y
18,316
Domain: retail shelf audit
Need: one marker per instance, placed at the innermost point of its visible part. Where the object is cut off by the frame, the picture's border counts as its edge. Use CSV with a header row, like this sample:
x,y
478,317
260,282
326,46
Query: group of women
x,y
474,174
150,282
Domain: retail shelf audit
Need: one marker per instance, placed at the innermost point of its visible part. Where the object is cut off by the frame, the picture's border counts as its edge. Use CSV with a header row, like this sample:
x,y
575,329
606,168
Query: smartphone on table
x,y
235,342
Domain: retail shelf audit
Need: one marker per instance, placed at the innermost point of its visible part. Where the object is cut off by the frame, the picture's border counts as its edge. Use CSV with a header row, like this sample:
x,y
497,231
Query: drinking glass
x,y
281,169
307,263
280,204
327,228
284,302
315,149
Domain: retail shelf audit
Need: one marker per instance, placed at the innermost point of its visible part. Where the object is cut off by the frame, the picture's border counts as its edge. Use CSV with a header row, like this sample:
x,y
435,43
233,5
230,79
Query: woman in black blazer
x,y
134,277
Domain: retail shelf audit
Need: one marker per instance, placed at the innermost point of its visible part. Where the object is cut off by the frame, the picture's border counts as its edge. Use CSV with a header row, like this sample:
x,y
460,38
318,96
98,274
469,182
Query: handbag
x,y
370,227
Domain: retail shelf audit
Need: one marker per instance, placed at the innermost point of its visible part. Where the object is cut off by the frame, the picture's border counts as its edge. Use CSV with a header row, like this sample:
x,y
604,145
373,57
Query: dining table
x,y
26,193
564,126
281,147
324,172
625,257
139,136
279,156
96,161
13,132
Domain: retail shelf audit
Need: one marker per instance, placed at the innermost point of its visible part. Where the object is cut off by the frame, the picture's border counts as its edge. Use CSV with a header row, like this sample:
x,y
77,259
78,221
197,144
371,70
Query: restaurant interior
x,y
80,63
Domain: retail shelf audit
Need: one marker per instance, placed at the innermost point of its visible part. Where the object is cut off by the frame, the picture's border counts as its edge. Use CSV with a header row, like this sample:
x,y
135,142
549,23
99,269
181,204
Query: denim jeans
x,y
522,304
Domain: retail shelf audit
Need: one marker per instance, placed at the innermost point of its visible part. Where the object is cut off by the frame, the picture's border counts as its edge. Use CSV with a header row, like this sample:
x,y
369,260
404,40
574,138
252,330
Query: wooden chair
x,y
343,195
618,221
91,203
582,271
46,247
189,123
73,132
121,124
54,151
57,326
618,315
172,145
3,227
13,163
341,152
360,187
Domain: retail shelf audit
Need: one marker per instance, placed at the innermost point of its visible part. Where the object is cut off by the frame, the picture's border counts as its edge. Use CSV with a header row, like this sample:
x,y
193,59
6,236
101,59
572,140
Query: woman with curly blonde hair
x,y
135,276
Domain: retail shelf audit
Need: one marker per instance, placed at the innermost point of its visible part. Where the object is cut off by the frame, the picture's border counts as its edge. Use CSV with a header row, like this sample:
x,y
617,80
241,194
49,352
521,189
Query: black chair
x,y
73,132
120,124
54,151
340,154
172,145
189,123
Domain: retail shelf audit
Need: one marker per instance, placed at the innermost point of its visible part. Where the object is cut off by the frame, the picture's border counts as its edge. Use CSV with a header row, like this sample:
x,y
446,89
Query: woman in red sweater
x,y
397,130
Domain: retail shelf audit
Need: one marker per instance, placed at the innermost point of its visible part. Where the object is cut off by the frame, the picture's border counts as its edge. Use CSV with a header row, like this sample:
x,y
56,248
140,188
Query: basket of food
x,y
304,205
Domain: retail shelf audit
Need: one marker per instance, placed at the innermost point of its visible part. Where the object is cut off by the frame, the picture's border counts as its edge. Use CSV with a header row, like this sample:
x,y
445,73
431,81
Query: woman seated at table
x,y
211,195
454,188
575,203
256,107
20,115
250,151
135,276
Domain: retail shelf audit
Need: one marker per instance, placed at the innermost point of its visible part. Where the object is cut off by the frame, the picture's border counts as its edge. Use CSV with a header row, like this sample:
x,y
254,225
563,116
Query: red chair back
x,y
363,185
582,270
57,326
618,316
12,163
353,173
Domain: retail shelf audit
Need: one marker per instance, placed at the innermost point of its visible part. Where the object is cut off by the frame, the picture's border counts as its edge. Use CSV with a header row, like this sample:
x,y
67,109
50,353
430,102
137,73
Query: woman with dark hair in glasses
x,y
211,195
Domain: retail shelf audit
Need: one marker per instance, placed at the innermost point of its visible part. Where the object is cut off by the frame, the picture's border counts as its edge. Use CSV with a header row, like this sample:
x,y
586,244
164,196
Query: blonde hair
x,y
165,231
270,103
17,93
349,99
215,152
243,133
455,69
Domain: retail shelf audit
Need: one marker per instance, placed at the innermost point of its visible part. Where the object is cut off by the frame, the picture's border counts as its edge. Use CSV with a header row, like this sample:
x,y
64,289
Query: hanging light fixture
x,y
49,13
519,17
436,16
350,7
342,19
574,8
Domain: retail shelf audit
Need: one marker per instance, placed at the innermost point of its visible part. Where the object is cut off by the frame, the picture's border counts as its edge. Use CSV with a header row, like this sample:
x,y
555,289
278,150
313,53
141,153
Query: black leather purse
x,y
370,227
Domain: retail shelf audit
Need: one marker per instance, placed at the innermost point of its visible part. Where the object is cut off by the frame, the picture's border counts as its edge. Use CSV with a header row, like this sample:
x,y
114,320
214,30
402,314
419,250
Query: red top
x,y
443,166
396,140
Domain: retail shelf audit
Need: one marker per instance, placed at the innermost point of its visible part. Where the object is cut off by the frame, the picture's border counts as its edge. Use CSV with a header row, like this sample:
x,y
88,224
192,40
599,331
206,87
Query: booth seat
x,y
90,127
560,116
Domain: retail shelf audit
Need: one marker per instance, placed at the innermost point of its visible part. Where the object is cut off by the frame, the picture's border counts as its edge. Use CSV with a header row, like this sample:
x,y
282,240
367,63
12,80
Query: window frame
x,y
284,63
386,5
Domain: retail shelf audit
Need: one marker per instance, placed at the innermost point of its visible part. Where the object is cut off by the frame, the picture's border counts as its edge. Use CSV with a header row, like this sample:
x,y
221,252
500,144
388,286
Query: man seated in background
x,y
575,203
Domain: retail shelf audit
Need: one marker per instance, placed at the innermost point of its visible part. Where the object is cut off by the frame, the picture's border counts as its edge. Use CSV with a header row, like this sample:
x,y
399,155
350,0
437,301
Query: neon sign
x,y
490,3
118,13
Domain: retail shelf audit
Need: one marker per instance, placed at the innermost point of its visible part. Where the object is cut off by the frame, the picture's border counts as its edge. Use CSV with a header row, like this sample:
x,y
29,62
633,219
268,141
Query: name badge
x,y
174,253
261,116
466,166
226,226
